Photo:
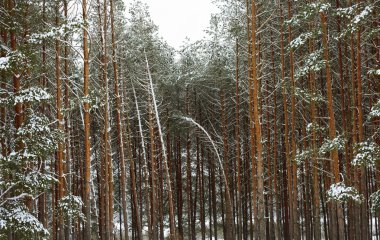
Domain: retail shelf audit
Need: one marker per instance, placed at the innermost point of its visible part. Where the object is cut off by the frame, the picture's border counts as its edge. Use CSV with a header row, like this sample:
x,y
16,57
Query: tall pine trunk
x,y
87,159
336,210
256,119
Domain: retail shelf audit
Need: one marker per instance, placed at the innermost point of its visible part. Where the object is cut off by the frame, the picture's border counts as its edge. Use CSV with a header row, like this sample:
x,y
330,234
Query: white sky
x,y
178,19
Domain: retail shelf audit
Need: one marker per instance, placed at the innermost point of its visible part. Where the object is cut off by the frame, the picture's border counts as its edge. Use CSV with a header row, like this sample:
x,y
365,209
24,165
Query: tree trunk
x,y
339,231
275,196
293,177
179,188
256,118
120,135
188,174
42,214
315,165
87,159
59,155
288,221
237,141
363,170
153,201
228,203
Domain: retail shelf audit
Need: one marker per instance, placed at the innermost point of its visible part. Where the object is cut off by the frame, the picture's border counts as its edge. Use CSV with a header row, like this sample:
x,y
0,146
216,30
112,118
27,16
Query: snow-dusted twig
x,y
8,189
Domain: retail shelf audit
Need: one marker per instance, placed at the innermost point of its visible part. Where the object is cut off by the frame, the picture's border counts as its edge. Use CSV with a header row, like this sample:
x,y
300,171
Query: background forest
x,y
269,128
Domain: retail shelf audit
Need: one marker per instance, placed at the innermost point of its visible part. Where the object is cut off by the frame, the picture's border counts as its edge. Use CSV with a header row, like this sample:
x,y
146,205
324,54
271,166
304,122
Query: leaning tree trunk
x,y
170,193
146,170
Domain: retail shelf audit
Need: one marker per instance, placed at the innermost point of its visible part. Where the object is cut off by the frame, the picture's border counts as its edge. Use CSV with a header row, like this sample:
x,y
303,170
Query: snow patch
x,y
329,145
358,18
4,63
341,193
33,94
375,110
375,201
367,154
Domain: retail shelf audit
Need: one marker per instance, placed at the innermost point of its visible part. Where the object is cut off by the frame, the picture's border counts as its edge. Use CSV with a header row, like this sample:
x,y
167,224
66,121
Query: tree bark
x,y
288,219
293,177
59,117
258,135
120,135
87,159
315,164
332,131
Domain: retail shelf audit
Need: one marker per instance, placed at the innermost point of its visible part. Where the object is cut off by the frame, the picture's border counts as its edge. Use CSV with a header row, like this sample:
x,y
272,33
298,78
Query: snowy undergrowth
x,y
15,216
